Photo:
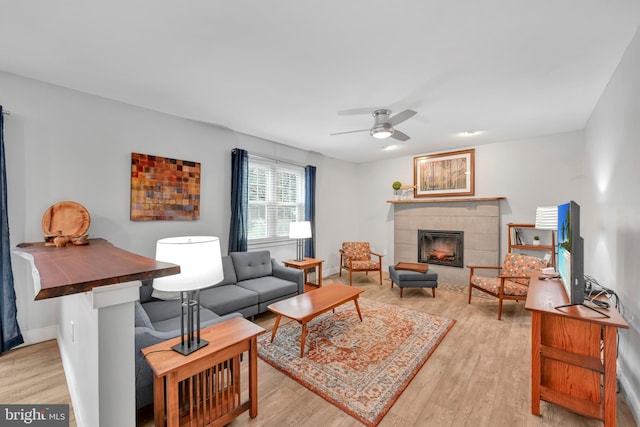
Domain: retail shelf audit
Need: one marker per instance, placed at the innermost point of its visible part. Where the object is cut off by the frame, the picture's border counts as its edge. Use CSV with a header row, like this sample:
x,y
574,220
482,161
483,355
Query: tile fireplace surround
x,y
478,219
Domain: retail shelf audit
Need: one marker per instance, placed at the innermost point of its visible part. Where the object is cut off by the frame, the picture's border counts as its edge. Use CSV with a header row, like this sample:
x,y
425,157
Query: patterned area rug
x,y
361,367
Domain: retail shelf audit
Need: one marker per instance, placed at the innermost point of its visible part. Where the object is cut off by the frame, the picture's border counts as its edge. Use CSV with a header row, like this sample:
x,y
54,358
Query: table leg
x,y
275,327
303,338
536,373
610,335
355,301
158,401
253,377
319,275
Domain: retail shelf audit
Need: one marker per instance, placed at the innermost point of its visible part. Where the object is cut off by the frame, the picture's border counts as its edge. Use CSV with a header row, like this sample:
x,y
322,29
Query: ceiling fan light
x,y
382,131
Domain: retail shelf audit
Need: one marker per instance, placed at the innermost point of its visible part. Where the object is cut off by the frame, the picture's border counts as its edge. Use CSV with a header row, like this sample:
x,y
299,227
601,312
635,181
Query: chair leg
x,y
433,292
470,288
499,308
381,277
401,292
391,284
350,284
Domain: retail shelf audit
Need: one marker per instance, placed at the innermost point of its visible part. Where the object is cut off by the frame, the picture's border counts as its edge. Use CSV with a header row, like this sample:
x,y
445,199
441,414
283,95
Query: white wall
x,y
611,225
530,173
66,145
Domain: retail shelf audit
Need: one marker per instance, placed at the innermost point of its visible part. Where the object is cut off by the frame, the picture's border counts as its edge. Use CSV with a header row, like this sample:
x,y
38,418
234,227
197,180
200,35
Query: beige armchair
x,y
356,256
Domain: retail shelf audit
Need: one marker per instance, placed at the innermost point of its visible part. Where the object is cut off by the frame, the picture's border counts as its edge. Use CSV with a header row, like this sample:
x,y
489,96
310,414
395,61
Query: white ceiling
x,y
294,71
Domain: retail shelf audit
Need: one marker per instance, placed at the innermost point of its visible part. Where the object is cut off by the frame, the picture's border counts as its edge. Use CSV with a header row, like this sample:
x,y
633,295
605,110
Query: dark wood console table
x,y
75,269
573,353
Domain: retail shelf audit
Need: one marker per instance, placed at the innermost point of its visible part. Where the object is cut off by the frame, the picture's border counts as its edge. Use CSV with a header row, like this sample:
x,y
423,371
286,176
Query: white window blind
x,y
276,198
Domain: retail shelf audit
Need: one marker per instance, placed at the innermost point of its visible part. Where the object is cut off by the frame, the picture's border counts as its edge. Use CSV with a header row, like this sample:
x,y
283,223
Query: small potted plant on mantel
x,y
397,185
536,240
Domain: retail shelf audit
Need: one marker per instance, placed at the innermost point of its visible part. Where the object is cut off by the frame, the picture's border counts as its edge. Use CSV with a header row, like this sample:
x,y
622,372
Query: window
x,y
276,198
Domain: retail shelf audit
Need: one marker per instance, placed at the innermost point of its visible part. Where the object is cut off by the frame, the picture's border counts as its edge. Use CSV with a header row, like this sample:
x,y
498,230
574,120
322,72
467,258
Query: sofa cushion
x,y
270,287
159,310
173,324
227,299
145,291
251,265
142,318
229,272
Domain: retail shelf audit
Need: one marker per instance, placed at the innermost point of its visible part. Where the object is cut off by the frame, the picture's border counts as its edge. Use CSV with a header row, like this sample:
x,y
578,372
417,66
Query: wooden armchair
x,y
512,281
356,256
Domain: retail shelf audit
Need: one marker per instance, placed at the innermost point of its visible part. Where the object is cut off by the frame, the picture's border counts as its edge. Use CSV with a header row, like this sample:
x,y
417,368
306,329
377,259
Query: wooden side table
x,y
305,265
205,386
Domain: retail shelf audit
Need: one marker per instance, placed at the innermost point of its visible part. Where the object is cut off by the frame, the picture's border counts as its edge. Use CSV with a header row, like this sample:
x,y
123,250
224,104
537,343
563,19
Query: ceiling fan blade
x,y
350,131
401,117
400,136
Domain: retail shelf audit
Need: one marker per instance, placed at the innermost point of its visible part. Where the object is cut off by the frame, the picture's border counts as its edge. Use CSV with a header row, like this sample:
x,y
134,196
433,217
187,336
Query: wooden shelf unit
x,y
518,248
573,353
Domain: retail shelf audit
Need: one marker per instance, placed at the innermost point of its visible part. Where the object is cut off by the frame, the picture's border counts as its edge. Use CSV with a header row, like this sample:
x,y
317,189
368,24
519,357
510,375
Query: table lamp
x,y
200,267
300,230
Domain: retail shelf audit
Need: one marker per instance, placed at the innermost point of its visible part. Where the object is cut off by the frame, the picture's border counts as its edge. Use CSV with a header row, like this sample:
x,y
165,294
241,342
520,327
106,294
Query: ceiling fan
x,y
383,125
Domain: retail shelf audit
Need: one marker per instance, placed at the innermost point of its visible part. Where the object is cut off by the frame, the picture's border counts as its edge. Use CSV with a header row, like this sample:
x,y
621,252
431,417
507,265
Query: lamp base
x,y
300,250
188,348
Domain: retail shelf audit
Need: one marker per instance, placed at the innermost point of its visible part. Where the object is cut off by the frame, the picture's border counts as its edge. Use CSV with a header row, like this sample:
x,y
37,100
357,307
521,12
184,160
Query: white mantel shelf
x,y
449,200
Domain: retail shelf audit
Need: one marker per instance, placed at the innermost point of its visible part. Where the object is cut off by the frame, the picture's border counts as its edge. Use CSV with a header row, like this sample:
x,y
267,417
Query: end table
x,y
307,264
205,385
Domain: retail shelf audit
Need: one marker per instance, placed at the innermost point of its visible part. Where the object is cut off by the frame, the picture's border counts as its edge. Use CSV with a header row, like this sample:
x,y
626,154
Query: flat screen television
x,y
571,251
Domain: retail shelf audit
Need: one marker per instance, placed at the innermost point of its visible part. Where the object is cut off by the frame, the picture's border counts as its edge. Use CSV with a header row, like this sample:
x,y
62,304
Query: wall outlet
x,y
73,331
384,252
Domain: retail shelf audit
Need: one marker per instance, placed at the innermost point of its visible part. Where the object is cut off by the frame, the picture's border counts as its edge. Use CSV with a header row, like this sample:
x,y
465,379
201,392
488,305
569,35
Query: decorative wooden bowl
x,y
66,222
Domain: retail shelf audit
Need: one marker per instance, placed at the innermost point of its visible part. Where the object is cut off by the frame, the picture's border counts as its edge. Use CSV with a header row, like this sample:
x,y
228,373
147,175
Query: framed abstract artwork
x,y
164,188
444,174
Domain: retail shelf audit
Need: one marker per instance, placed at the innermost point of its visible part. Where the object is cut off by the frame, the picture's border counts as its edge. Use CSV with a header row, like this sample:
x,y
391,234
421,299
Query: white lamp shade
x,y
547,218
199,259
300,230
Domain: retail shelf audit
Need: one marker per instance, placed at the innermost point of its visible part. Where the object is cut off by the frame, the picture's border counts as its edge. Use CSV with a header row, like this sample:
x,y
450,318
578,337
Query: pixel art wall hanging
x,y
164,188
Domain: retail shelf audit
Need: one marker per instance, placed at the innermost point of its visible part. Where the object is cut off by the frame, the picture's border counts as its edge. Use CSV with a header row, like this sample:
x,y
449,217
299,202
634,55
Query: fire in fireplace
x,y
441,247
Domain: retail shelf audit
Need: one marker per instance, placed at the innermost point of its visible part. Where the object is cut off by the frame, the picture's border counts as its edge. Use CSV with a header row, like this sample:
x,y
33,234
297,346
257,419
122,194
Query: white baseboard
x,y
330,271
34,336
336,270
630,393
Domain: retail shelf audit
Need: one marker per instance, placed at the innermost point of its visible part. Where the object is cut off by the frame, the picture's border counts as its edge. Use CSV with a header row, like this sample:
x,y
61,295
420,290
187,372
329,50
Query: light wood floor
x,y
33,375
478,376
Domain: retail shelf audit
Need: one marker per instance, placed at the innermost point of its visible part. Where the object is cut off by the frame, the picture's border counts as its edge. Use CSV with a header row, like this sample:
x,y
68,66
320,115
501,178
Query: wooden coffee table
x,y
304,308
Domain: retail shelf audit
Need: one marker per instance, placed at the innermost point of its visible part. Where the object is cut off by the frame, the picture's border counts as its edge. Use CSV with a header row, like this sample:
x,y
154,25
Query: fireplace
x,y
441,247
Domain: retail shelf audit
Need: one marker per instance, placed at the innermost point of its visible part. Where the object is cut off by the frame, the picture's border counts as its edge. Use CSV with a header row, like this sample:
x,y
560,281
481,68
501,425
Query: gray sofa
x,y
252,281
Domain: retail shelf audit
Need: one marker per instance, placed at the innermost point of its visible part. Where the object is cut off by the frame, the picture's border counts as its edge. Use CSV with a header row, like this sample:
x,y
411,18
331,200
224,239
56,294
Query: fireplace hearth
x,y
441,247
